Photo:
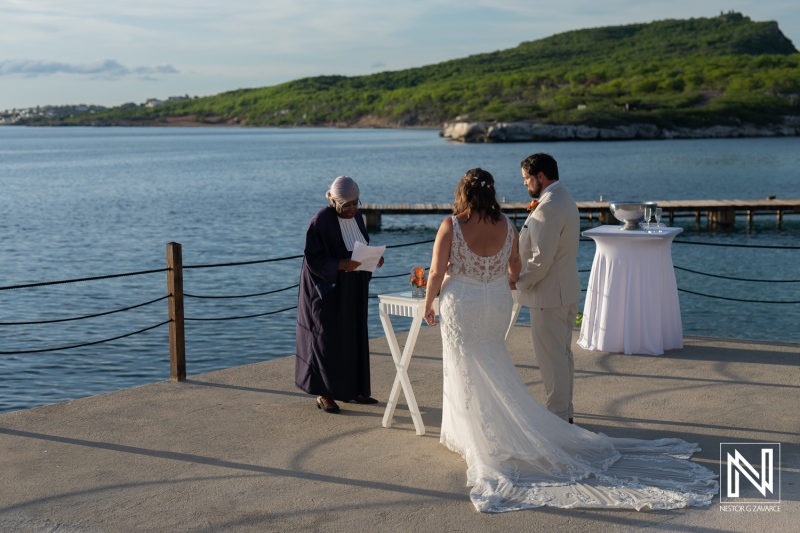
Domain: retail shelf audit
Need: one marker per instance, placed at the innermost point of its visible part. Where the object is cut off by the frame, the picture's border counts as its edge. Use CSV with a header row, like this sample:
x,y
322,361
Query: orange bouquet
x,y
418,277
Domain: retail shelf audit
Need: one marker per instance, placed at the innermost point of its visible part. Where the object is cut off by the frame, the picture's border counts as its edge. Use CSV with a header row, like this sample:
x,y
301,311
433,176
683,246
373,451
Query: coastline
x,y
498,132
479,131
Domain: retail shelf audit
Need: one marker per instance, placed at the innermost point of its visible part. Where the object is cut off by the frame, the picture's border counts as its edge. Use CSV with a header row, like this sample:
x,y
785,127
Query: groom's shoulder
x,y
560,193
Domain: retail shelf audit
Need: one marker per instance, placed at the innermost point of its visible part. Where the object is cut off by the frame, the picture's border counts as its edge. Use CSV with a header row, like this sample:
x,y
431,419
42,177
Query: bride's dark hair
x,y
475,194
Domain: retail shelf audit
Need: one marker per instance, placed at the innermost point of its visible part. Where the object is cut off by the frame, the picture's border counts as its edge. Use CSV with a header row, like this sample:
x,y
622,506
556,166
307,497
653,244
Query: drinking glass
x,y
648,212
657,214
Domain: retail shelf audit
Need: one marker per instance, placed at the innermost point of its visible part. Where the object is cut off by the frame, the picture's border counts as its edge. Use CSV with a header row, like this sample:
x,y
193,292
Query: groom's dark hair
x,y
541,162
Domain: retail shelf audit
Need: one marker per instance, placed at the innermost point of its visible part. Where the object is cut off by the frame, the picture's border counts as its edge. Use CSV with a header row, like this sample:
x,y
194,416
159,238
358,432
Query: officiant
x,y
332,360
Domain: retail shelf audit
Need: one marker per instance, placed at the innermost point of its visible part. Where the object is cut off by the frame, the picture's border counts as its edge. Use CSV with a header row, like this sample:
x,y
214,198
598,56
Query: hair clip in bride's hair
x,y
483,184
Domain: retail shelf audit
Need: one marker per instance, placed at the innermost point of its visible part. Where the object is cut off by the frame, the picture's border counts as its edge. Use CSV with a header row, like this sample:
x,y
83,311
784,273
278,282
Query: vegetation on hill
x,y
722,70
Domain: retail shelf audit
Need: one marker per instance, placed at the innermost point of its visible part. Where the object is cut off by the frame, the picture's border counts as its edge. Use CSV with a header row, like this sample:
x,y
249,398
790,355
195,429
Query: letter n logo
x,y
748,472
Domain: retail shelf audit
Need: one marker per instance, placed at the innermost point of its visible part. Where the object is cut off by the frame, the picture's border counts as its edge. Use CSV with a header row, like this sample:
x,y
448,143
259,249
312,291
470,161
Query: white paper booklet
x,y
368,256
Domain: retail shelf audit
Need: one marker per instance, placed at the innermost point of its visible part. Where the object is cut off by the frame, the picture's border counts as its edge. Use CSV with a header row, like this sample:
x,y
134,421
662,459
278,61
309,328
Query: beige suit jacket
x,y
548,248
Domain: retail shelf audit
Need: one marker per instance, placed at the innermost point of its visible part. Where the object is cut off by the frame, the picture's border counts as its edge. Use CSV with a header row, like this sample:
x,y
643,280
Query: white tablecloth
x,y
632,302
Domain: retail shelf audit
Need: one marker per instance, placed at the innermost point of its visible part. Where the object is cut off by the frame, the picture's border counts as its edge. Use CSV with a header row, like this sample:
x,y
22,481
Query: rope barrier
x,y
239,317
390,276
409,244
740,299
404,274
765,246
95,278
244,262
395,275
731,245
82,279
739,279
244,295
87,343
83,317
287,257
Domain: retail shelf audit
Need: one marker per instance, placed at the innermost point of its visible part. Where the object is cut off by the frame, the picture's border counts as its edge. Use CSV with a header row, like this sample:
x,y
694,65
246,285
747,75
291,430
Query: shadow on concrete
x,y
244,467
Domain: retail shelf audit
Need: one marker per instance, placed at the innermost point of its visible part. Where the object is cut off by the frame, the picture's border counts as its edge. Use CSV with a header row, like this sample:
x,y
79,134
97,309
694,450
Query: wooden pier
x,y
722,212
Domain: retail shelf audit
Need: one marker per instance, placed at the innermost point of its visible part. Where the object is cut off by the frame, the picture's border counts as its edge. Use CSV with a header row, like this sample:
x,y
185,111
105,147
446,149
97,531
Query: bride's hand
x,y
430,316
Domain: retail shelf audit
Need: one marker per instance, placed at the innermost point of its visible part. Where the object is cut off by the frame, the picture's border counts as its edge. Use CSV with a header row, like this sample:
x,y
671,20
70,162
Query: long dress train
x,y
518,454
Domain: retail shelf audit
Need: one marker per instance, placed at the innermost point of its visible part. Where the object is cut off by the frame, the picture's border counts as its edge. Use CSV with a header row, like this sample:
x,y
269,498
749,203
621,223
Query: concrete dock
x,y
243,450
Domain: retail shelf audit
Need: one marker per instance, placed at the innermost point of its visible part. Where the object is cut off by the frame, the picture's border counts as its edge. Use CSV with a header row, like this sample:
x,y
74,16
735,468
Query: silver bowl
x,y
631,213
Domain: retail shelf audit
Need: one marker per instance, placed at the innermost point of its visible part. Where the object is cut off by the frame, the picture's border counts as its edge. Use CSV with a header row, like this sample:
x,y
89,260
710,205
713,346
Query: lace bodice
x,y
463,262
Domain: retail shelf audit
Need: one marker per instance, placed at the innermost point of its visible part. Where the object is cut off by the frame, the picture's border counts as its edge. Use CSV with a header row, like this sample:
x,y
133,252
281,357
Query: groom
x,y
549,283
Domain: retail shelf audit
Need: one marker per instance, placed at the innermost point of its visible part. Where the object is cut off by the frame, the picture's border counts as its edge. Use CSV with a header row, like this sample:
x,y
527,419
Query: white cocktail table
x,y
632,302
403,304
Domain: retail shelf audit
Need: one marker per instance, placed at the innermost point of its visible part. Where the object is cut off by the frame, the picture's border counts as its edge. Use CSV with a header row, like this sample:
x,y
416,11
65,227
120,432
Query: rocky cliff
x,y
472,132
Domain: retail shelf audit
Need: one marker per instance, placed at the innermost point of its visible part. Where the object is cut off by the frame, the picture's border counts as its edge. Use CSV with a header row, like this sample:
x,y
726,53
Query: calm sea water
x,y
82,202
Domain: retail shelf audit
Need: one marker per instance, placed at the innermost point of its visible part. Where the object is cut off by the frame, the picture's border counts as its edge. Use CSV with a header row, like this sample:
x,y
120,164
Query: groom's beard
x,y
534,193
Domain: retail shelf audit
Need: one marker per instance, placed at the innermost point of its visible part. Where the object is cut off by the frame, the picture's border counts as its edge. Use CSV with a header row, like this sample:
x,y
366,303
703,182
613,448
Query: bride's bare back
x,y
483,237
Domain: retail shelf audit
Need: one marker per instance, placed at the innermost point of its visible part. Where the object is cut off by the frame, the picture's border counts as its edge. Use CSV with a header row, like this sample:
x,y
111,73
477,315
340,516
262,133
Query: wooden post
x,y
372,219
605,217
177,339
724,216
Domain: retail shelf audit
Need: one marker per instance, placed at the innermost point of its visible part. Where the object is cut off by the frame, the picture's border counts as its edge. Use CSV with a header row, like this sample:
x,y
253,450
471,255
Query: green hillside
x,y
720,70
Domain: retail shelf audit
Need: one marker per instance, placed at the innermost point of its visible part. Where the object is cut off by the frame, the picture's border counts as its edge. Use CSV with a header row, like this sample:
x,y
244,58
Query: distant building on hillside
x,y
153,102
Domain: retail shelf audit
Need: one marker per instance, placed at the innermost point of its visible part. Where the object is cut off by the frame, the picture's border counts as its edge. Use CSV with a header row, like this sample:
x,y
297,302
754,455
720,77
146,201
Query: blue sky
x,y
109,52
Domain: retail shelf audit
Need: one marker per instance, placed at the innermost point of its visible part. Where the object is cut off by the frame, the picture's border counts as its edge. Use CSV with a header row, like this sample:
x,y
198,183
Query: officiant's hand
x,y
348,265
380,262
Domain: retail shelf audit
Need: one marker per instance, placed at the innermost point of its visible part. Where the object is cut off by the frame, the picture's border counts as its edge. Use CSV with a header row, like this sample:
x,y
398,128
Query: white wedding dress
x,y
518,454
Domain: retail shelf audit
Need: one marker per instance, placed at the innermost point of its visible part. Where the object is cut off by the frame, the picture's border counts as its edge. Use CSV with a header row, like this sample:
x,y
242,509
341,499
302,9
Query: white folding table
x,y
403,304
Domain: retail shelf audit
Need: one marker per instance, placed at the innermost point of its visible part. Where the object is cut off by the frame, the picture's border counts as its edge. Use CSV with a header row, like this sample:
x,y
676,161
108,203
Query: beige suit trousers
x,y
551,331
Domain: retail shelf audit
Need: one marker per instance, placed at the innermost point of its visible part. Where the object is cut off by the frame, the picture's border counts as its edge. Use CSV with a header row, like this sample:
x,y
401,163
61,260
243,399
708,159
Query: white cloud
x,y
109,69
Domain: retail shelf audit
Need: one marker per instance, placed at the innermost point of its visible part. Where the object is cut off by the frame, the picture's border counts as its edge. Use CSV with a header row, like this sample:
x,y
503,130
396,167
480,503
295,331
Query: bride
x,y
518,454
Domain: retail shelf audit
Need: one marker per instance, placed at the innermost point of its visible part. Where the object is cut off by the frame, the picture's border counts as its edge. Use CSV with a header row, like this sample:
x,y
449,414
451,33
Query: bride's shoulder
x,y
512,228
446,226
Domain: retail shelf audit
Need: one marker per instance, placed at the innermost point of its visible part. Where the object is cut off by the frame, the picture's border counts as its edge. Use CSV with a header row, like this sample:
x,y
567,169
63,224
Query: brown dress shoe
x,y
327,405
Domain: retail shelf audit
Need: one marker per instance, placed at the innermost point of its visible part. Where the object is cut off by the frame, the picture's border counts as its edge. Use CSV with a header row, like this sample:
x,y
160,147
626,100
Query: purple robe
x,y
332,358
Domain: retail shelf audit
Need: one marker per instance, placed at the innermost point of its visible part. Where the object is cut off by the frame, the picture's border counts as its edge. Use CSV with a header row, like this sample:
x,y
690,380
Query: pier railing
x,y
176,297
721,212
